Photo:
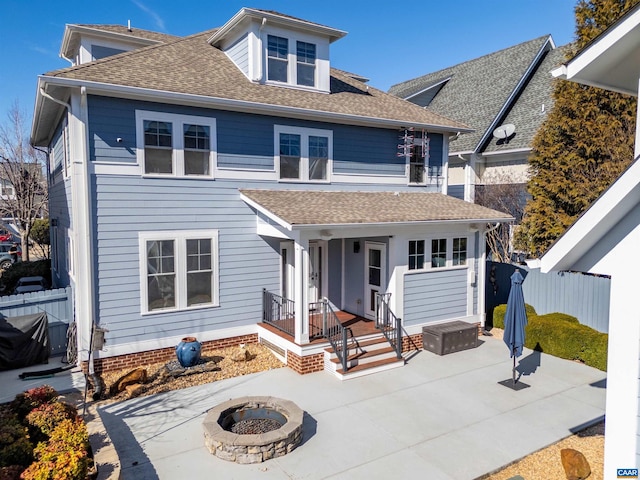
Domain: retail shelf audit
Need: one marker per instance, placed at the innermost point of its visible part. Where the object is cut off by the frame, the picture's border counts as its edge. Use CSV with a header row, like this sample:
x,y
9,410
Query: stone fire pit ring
x,y
252,448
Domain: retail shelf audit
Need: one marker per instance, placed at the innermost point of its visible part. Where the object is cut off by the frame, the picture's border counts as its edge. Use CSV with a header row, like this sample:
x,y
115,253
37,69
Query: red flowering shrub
x,y
44,419
15,447
27,401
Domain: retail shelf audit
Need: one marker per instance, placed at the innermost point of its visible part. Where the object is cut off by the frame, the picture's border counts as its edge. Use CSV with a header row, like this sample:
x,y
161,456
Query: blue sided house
x,y
232,186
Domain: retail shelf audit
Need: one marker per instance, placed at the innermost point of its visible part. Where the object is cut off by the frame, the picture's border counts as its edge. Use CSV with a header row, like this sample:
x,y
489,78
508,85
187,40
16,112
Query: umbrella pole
x,y
514,368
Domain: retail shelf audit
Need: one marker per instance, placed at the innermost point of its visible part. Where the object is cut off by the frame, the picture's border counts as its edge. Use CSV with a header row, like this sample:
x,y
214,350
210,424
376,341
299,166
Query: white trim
x,y
369,179
506,152
187,99
246,174
383,274
177,138
304,134
180,268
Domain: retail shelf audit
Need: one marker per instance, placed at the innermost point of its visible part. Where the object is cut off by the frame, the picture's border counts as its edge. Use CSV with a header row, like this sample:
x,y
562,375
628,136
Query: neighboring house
x,y
511,87
224,184
605,240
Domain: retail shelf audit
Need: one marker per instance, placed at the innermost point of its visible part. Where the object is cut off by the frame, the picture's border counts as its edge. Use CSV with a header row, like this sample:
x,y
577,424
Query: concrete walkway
x,y
437,418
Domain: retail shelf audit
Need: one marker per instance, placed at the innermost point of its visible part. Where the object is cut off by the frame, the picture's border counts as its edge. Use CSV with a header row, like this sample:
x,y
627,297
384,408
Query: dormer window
x,y
306,64
278,53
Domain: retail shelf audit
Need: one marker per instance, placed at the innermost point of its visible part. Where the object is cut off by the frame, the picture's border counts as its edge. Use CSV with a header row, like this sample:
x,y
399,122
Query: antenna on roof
x,y
504,132
129,25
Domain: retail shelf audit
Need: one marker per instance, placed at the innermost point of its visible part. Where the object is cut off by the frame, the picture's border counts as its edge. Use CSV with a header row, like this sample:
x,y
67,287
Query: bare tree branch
x,y
24,188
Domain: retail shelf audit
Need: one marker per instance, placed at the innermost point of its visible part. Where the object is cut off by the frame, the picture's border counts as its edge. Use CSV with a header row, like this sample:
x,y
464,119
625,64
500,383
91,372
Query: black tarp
x,y
24,341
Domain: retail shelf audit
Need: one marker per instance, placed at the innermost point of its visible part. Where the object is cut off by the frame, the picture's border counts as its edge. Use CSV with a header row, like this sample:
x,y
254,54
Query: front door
x,y
315,272
375,275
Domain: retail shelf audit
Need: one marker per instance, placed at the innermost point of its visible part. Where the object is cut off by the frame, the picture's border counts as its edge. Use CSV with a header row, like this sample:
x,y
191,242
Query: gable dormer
x,y
275,49
86,43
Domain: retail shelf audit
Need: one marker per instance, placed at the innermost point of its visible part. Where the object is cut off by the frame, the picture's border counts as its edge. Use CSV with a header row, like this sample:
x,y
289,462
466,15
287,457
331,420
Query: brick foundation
x,y
306,364
133,360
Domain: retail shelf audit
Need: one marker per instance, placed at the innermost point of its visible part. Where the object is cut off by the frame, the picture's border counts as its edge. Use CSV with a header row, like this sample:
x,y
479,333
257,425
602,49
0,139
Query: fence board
x,y
585,297
55,303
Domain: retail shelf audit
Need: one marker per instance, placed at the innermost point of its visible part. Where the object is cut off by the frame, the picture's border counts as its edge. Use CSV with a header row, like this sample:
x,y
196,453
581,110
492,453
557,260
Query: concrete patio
x,y
439,417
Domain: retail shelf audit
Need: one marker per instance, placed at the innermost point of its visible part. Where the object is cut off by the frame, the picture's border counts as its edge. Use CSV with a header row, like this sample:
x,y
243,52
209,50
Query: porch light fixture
x,y
356,246
326,235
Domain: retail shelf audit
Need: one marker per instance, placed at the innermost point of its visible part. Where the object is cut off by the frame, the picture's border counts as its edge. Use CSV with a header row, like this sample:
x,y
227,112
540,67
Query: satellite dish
x,y
504,131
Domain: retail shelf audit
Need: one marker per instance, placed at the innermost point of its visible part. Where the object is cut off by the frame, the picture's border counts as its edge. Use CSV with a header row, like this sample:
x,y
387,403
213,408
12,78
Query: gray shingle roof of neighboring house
x,y
190,65
132,32
476,92
531,106
304,207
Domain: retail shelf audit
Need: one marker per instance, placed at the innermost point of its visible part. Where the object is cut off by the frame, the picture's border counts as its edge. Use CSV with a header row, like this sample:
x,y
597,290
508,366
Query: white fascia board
x,y
332,33
265,212
338,226
71,29
507,152
514,94
595,222
560,72
138,93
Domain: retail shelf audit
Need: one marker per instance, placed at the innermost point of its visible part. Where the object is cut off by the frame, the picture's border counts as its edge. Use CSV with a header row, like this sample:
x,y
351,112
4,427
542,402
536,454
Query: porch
x,y
348,342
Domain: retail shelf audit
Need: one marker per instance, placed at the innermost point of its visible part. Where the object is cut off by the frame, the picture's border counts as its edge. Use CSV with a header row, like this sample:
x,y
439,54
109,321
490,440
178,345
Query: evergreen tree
x,y
583,145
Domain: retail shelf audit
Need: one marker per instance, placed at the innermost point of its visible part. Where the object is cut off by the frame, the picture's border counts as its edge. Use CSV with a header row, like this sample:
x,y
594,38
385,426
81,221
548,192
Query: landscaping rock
x,y
241,355
139,375
134,390
575,464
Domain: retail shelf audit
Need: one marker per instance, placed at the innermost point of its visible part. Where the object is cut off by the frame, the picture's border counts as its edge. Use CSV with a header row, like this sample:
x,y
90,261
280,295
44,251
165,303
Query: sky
x,y
387,41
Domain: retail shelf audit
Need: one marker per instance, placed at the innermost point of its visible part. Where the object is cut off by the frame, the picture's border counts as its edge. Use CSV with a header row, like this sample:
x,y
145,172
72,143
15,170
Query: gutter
x,y
244,106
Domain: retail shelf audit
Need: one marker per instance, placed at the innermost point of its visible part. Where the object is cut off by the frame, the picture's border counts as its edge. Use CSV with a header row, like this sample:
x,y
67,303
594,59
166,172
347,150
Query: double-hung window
x,y
419,158
179,270
303,154
416,254
306,64
177,145
277,58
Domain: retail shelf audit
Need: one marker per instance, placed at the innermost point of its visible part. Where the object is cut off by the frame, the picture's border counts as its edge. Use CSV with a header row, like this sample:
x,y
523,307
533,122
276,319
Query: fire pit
x,y
253,429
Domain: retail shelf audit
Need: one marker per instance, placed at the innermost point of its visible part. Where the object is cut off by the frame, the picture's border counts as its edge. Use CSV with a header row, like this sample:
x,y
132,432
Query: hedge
x,y
562,336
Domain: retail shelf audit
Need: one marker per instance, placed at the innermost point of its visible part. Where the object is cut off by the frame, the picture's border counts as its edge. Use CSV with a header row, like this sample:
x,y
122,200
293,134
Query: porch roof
x,y
313,208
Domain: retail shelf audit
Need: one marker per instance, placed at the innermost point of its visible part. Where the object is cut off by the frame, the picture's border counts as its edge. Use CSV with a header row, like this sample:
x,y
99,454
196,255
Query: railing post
x,y
399,337
324,317
344,349
264,304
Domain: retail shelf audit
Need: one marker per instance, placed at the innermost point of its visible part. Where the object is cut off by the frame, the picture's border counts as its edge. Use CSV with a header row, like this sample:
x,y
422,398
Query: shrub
x,y
27,401
44,419
25,269
15,447
501,310
562,336
65,456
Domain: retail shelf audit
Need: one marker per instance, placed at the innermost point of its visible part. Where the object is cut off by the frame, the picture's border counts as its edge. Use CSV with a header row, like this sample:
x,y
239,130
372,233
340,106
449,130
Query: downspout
x,y
55,100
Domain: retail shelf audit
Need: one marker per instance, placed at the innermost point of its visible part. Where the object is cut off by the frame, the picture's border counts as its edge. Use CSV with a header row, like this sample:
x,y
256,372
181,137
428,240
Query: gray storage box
x,y
450,337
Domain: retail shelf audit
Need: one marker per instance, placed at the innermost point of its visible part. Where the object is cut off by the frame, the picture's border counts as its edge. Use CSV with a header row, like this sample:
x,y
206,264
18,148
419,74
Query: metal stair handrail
x,y
335,333
388,323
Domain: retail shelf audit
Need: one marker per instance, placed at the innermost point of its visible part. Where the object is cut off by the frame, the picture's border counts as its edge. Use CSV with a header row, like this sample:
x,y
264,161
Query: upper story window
x,y
291,61
278,58
303,154
176,145
306,64
459,251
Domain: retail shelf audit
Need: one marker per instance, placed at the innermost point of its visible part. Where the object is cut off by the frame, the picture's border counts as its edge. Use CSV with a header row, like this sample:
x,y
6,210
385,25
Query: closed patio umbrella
x,y
515,319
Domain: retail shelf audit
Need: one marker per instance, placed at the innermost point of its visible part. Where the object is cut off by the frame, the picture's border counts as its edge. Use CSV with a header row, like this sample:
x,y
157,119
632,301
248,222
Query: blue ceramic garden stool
x,y
188,351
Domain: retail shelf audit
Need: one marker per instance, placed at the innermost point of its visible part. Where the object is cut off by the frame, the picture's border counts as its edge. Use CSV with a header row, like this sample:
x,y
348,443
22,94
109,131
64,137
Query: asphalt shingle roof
x,y
477,89
304,207
133,32
190,65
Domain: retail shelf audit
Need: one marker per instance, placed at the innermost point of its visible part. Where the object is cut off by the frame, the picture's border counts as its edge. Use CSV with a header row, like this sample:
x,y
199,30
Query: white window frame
x,y
177,139
466,251
428,253
292,59
424,254
304,133
180,267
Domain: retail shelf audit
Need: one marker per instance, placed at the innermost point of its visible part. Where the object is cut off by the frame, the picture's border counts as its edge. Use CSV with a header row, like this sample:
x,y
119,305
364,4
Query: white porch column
x,y
482,275
301,289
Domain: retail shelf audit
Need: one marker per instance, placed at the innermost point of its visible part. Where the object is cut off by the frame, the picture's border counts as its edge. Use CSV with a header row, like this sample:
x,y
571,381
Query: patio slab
x,y
446,417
